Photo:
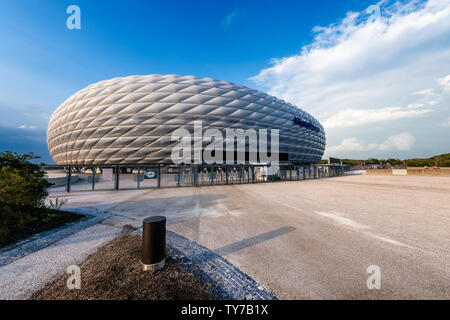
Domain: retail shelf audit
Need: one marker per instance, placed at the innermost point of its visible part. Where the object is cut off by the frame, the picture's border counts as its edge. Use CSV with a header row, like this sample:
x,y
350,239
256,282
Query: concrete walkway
x,y
301,240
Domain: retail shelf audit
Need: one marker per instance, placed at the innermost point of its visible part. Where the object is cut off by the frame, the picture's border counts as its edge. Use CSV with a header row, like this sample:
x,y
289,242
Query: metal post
x,y
195,175
253,174
212,175
159,177
116,180
139,178
69,176
180,174
226,174
154,243
93,178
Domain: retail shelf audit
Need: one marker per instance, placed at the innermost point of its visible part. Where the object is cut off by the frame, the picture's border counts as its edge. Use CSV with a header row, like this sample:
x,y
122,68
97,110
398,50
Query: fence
x,y
126,177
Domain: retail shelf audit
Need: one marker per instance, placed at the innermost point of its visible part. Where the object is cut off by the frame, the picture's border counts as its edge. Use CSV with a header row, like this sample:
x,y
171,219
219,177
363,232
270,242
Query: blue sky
x,y
274,46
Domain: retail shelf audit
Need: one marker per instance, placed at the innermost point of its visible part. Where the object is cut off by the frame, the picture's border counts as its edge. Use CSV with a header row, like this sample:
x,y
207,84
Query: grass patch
x,y
44,219
114,272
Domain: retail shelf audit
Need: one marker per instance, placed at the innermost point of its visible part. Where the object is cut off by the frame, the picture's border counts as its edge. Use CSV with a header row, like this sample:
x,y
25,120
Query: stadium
x,y
129,120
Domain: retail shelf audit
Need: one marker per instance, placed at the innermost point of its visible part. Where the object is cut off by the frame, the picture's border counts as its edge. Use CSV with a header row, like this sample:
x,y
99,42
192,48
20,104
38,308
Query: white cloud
x,y
403,141
27,127
41,115
393,71
348,144
426,92
445,83
231,17
360,65
446,123
400,142
353,118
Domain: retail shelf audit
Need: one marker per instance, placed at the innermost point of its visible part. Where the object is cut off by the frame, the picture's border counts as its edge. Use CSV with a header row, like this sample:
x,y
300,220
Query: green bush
x,y
22,192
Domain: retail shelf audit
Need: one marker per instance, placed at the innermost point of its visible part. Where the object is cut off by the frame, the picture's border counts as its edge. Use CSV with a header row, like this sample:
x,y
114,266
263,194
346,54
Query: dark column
x,y
226,173
68,177
139,178
93,178
195,171
154,243
158,177
116,180
212,175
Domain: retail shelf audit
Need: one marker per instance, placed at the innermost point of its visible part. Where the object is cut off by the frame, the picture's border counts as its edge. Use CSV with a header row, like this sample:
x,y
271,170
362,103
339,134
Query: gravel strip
x,y
22,277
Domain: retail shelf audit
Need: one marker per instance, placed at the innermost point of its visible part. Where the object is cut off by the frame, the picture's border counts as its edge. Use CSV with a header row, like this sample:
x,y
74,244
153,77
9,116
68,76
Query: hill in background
x,y
442,160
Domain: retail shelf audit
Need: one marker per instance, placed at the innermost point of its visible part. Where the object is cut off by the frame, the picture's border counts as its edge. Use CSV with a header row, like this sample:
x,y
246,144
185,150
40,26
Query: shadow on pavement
x,y
242,244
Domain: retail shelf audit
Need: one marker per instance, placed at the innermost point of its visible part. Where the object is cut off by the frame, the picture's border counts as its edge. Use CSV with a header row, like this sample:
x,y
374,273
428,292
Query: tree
x,y
22,191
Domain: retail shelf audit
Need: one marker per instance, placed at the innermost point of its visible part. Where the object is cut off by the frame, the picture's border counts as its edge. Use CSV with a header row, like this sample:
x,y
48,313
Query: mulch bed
x,y
114,272
38,226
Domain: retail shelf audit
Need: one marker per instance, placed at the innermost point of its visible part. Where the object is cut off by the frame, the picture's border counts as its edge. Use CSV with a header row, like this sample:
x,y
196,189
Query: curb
x,y
229,282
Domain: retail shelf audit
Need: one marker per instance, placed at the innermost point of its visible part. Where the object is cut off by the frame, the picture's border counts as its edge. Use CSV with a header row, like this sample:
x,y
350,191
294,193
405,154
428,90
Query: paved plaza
x,y
309,239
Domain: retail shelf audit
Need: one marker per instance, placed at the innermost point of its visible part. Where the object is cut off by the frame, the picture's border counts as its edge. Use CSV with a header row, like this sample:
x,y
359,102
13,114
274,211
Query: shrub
x,y
22,192
58,204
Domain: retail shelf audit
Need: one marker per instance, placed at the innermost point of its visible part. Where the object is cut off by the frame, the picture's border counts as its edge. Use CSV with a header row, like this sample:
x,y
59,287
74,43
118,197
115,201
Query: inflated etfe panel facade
x,y
130,120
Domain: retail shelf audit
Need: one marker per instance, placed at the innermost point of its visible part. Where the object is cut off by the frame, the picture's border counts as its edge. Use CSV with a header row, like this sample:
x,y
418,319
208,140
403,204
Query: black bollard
x,y
154,243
